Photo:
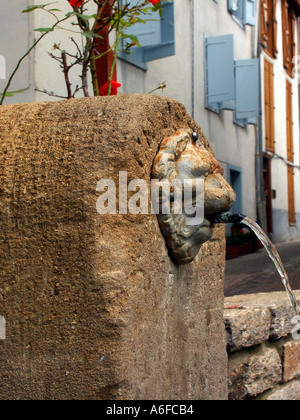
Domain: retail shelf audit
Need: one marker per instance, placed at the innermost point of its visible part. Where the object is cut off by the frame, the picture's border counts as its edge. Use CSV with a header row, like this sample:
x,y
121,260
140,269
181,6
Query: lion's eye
x,y
195,136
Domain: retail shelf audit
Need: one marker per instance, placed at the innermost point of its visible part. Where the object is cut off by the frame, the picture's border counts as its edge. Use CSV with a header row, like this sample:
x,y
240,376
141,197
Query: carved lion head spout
x,y
183,160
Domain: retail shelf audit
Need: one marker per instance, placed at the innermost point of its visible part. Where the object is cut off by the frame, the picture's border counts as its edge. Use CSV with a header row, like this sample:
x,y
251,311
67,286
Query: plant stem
x,y
94,77
66,74
85,66
115,49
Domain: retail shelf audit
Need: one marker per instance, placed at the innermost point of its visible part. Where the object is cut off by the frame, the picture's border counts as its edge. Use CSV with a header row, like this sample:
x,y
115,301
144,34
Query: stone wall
x,y
94,307
264,358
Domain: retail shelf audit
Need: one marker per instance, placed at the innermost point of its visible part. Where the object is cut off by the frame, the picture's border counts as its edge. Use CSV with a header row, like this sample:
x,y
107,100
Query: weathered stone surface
x,y
95,308
286,392
246,327
251,372
277,303
291,360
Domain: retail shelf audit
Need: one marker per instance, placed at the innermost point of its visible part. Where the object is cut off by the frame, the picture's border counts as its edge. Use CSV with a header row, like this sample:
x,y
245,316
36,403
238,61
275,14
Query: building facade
x,y
279,34
208,40
230,62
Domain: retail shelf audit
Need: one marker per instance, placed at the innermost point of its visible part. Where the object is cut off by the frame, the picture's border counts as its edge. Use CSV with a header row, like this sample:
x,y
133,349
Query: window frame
x,y
241,16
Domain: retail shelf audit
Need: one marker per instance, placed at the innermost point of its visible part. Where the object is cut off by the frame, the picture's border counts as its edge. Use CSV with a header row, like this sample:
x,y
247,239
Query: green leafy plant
x,y
110,16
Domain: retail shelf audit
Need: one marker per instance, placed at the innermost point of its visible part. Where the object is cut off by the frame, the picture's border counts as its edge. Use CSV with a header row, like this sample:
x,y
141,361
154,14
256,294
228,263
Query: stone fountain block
x,y
93,306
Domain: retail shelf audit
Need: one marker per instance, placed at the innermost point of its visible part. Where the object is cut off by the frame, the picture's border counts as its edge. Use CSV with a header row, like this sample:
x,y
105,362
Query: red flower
x,y
76,3
114,88
154,2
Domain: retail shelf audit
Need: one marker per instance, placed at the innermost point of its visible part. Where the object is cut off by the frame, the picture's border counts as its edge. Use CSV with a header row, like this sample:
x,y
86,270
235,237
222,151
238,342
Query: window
x,y
269,106
244,11
288,30
268,26
225,80
157,38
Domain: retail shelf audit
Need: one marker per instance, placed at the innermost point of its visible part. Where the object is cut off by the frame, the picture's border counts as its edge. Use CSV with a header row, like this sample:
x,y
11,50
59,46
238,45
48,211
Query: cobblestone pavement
x,y
255,273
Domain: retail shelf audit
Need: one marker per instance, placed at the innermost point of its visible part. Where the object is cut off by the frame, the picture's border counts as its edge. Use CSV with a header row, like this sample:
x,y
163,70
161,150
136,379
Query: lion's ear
x,y
180,147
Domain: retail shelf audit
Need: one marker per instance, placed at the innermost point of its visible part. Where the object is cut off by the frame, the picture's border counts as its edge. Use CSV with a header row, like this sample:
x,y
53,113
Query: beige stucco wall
x,y
38,71
15,40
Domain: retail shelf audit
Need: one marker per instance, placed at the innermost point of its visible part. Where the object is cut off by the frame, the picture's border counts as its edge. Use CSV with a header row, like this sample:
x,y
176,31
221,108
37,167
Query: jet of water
x,y
275,257
269,246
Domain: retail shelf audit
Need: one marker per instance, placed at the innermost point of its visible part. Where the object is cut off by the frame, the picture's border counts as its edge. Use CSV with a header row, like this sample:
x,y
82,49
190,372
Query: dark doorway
x,y
268,192
236,183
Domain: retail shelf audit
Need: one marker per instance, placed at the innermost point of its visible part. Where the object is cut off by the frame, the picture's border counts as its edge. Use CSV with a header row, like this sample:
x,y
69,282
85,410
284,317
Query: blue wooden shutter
x,y
220,86
250,12
166,47
167,23
148,33
157,38
247,89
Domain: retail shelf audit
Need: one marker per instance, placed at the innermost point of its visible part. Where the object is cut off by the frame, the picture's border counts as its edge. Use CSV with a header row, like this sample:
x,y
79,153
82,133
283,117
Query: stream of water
x,y
274,255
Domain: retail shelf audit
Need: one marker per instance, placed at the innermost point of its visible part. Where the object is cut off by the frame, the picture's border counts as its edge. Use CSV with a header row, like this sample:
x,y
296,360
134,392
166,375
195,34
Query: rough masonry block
x,y
94,307
286,392
246,327
251,372
291,360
